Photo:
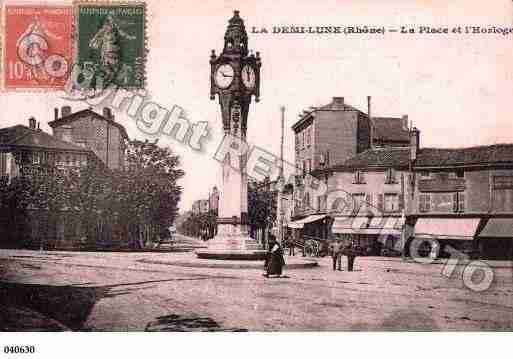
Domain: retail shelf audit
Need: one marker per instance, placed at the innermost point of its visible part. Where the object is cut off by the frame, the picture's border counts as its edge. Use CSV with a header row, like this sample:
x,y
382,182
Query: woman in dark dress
x,y
274,262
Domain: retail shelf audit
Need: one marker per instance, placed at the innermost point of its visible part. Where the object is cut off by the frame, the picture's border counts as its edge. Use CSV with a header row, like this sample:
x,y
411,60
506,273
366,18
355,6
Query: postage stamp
x,y
111,41
38,46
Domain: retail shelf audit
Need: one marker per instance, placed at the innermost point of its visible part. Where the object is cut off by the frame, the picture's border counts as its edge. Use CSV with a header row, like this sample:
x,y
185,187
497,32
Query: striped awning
x,y
368,225
301,222
447,228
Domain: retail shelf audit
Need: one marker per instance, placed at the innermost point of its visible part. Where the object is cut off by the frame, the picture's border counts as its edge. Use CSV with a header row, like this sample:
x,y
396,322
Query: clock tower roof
x,y
236,38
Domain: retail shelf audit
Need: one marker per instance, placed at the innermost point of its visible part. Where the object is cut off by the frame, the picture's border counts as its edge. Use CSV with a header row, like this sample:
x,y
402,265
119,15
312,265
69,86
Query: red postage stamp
x,y
38,46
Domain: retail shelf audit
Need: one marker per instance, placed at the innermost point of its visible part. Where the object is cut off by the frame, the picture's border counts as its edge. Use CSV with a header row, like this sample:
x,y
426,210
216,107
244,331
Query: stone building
x,y
367,198
200,206
213,200
78,139
463,198
30,151
330,135
88,129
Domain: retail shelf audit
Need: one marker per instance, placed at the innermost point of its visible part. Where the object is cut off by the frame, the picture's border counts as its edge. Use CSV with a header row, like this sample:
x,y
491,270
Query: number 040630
x,y
19,349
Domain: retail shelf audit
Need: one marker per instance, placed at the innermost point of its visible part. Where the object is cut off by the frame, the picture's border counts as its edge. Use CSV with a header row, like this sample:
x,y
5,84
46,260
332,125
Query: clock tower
x,y
235,79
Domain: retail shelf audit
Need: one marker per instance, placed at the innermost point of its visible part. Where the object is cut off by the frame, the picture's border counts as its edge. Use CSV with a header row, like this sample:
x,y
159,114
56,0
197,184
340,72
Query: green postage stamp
x,y
111,43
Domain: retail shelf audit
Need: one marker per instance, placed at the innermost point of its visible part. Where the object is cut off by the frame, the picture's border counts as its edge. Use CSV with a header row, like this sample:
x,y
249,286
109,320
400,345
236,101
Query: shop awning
x,y
447,228
366,225
301,222
498,228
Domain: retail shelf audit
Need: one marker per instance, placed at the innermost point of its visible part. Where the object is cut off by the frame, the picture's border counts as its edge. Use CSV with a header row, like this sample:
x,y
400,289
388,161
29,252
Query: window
x,y
368,199
425,174
390,176
297,142
303,135
391,202
359,177
321,203
308,136
304,168
359,200
309,165
35,158
424,203
459,202
307,200
459,173
3,163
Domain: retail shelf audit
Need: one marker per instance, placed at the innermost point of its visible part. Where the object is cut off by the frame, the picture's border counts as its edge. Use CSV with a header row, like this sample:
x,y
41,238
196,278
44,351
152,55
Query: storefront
x,y
372,235
438,233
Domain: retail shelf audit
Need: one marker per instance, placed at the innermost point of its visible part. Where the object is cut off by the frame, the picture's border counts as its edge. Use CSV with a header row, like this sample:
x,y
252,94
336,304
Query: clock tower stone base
x,y
232,240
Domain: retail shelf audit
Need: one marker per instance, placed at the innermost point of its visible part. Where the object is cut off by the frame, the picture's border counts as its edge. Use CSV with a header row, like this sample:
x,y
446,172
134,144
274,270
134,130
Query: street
x,y
98,291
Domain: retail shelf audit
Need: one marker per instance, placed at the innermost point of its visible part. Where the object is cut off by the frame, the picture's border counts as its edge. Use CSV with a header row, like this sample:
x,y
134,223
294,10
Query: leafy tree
x,y
146,194
134,202
261,205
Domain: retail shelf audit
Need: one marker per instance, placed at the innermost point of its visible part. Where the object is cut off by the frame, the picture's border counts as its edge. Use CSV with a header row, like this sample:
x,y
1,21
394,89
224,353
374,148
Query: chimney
x,y
56,113
107,113
65,111
414,143
38,126
405,122
338,102
32,123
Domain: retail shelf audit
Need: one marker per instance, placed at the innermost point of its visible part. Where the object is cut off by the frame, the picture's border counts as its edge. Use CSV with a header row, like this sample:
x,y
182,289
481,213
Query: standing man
x,y
336,254
351,255
290,243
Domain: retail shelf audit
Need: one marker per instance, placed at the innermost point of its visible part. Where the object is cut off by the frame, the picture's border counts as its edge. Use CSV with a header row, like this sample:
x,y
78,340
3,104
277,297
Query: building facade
x,y
98,133
432,201
78,139
28,151
200,206
463,198
325,138
213,200
367,199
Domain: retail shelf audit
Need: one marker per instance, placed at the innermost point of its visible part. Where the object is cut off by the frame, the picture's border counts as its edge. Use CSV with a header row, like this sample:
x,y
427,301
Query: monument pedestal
x,y
232,242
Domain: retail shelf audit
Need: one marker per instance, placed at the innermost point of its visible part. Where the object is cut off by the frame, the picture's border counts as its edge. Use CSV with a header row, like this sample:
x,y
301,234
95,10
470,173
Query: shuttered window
x,y
359,177
380,201
424,203
458,203
390,176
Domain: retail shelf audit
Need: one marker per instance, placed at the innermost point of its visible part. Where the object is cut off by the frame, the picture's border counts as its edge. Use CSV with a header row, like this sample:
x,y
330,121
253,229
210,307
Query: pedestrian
x,y
290,244
274,261
336,253
351,255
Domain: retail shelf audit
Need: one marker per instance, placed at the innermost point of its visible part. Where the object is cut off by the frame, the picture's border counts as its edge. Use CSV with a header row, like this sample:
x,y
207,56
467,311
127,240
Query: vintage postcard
x,y
277,166
38,45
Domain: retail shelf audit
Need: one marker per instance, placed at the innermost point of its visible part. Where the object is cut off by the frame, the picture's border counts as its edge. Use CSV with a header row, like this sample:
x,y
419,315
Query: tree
x,y
145,195
130,204
261,205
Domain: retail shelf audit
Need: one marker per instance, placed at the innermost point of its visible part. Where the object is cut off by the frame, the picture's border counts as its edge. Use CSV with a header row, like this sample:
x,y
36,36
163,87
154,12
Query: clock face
x,y
248,77
224,76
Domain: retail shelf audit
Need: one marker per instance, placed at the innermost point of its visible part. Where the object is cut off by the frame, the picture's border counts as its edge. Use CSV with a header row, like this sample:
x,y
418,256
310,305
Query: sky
x,y
457,89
